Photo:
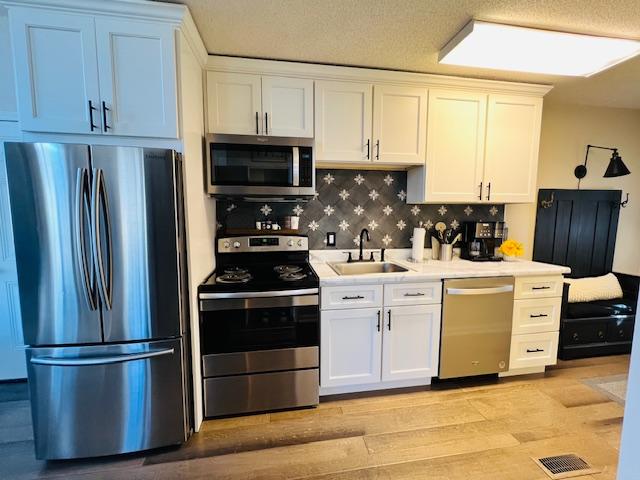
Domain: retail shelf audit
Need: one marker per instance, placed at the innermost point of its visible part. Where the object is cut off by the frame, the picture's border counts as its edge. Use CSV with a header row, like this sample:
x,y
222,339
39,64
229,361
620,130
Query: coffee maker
x,y
480,240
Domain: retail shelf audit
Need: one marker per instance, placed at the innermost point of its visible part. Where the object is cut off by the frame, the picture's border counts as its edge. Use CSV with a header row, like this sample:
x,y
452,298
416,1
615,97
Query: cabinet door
x,y
234,103
56,71
399,124
511,156
350,346
455,146
411,342
287,106
137,67
343,121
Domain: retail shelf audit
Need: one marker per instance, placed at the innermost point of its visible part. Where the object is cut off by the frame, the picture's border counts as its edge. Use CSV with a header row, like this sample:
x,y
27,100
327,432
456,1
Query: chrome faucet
x,y
362,234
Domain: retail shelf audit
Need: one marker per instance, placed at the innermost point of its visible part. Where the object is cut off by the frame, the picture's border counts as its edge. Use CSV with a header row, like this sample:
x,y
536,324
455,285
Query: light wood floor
x,y
485,430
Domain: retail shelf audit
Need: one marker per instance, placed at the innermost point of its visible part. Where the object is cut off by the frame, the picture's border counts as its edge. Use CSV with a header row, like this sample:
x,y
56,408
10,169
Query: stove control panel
x,y
267,243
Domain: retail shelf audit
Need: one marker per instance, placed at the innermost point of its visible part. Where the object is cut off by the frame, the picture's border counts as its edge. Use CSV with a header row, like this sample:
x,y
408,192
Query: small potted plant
x,y
510,250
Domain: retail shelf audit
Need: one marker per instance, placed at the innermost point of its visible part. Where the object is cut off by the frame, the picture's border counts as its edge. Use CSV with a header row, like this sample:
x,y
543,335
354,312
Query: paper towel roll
x,y
417,250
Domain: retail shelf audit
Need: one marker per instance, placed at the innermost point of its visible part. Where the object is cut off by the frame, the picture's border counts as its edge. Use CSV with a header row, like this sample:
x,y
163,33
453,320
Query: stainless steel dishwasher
x,y
476,326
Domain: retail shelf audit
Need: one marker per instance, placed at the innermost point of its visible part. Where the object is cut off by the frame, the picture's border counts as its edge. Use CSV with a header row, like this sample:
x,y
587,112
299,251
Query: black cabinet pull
x,y
104,116
389,324
257,127
378,326
377,149
540,288
575,336
480,194
266,123
534,350
489,191
600,334
419,294
357,297
368,148
91,109
540,315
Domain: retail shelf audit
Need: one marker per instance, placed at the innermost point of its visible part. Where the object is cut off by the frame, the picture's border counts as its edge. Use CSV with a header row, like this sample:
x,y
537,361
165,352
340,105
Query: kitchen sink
x,y
362,268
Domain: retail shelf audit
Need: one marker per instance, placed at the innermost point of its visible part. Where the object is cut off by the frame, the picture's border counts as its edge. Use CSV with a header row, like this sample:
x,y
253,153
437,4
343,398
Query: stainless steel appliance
x,y
480,240
260,167
476,326
99,240
259,326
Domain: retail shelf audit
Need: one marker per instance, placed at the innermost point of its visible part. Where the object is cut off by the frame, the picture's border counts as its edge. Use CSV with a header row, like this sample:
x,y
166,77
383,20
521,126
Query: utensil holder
x,y
446,252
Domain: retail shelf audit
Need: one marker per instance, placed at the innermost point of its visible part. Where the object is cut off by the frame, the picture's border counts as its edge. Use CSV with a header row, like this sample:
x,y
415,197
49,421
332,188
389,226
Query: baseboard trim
x,y
370,387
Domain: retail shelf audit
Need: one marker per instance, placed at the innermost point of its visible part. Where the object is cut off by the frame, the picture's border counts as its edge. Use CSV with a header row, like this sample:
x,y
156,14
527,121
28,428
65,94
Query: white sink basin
x,y
363,268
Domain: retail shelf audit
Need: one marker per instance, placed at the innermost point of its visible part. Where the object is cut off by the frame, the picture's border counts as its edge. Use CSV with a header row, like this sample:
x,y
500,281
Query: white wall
x,y
566,131
200,209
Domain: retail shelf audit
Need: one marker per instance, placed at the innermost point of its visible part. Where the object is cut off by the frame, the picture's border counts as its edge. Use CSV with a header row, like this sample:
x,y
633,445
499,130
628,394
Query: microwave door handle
x,y
296,167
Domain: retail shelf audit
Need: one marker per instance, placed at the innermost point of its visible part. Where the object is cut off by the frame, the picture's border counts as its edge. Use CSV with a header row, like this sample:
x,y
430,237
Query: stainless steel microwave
x,y
256,166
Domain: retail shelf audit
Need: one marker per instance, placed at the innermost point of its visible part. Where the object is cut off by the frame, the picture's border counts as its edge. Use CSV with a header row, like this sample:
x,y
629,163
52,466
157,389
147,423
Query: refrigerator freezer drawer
x,y
106,399
260,392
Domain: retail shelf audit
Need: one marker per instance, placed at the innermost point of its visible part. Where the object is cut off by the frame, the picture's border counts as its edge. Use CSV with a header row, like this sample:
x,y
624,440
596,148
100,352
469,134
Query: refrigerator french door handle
x,y
104,360
100,204
82,182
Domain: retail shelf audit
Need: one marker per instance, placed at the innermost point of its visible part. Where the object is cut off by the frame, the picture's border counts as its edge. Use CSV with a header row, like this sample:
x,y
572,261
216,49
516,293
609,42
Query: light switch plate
x,y
331,239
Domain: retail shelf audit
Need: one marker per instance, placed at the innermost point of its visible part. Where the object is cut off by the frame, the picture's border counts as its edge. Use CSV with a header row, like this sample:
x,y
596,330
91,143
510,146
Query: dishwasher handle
x,y
480,291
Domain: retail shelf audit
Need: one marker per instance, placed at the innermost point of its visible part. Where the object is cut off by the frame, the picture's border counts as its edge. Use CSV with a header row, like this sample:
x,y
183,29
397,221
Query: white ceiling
x,y
407,35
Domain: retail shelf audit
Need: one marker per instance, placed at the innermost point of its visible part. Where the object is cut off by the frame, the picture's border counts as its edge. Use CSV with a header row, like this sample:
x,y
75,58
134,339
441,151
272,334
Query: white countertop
x,y
426,270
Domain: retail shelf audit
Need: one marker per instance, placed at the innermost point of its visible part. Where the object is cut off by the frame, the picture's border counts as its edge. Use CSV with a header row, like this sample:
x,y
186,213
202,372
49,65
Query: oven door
x,y
259,166
264,334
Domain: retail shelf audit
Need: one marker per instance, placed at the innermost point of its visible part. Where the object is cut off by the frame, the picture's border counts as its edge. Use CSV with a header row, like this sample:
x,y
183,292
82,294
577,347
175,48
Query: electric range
x,y
259,326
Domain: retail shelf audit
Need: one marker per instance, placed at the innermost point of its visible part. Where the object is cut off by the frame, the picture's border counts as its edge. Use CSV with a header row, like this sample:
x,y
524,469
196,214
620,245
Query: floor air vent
x,y
565,466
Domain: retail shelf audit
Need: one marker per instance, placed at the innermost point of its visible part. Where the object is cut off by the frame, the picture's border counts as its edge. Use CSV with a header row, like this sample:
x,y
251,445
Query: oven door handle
x,y
249,295
296,167
258,302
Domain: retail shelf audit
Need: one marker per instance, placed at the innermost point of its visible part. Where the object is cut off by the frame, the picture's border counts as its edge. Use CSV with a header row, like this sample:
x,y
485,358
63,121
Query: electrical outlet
x,y
331,239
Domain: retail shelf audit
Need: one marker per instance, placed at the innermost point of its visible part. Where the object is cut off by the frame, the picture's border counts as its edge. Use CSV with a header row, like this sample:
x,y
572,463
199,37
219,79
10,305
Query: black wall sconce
x,y
616,166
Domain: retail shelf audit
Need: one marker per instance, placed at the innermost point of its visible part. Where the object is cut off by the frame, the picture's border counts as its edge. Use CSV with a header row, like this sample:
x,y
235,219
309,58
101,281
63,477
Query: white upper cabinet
x,y
260,105
511,154
234,103
481,148
57,71
411,342
399,124
343,121
287,106
137,78
75,71
455,147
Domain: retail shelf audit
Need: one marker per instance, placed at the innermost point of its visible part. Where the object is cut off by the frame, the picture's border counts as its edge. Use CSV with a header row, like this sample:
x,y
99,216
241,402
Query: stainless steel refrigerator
x,y
100,250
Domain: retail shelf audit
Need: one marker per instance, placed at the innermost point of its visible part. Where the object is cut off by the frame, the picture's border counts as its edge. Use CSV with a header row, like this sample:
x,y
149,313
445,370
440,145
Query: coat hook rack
x,y
548,203
624,203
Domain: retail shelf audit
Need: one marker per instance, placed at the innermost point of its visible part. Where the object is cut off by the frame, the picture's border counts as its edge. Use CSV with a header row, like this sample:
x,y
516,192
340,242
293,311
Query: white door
x,y
343,121
234,103
399,124
511,155
455,146
56,70
287,106
350,346
12,356
137,68
411,342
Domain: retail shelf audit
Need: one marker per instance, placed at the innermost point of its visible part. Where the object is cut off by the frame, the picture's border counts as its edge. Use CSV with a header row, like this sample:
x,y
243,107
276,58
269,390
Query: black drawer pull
x,y
576,336
357,297
540,315
378,326
419,294
536,350
540,288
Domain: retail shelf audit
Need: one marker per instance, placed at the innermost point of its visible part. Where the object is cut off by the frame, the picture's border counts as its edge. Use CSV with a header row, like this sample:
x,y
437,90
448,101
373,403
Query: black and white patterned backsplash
x,y
348,201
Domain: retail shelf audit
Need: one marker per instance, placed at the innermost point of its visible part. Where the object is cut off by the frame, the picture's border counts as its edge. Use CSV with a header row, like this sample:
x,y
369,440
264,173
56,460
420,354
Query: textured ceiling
x,y
407,35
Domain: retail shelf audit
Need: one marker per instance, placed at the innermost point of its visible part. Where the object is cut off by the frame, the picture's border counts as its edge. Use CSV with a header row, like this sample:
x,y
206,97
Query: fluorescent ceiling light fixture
x,y
507,47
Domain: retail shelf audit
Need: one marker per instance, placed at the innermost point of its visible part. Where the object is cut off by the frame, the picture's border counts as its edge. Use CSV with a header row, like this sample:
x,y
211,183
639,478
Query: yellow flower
x,y
511,248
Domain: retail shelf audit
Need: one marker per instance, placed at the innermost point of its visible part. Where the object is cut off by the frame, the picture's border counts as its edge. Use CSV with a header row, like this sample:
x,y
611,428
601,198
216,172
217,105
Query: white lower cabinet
x,y
410,342
350,342
383,347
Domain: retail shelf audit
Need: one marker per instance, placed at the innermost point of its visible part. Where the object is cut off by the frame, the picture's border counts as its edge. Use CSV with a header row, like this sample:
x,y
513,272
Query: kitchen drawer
x,y
353,296
533,350
425,293
536,315
584,331
620,330
538,287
